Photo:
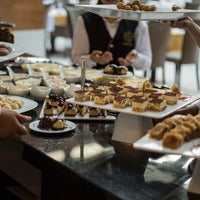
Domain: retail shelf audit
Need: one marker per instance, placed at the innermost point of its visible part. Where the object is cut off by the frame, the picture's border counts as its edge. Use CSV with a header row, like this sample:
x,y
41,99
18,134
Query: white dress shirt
x,y
80,46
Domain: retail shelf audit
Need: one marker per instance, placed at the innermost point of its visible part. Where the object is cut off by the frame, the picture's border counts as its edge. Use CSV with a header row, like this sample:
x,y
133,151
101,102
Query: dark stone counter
x,y
84,165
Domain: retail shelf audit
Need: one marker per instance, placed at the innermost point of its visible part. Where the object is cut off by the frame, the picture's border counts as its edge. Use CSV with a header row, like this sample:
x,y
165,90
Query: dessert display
x,y
10,103
136,5
174,131
57,106
115,70
48,123
146,98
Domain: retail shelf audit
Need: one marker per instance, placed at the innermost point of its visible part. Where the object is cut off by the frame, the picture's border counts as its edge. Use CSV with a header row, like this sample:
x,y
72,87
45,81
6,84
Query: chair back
x,y
73,14
159,36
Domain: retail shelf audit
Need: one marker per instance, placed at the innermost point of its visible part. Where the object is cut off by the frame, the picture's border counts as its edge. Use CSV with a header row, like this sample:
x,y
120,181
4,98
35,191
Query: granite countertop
x,y
88,152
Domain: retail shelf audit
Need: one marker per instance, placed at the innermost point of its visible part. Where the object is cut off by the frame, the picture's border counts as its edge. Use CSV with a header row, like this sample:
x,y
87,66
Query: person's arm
x,y
189,25
80,45
143,48
11,124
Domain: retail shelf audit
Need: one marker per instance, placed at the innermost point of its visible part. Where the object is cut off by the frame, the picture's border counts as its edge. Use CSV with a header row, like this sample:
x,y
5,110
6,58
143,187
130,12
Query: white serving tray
x,y
159,14
78,117
189,149
152,114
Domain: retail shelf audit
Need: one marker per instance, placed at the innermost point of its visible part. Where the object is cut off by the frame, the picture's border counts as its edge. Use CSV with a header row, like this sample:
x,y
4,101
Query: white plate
x,y
27,103
128,74
70,126
15,51
152,114
79,117
159,14
190,149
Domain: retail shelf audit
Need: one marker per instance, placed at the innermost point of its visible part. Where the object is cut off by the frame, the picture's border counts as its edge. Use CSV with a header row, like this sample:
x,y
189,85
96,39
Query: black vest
x,y
99,38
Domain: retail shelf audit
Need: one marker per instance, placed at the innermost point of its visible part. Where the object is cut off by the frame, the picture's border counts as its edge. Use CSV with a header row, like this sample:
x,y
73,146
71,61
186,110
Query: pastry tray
x,y
78,117
152,114
159,14
189,149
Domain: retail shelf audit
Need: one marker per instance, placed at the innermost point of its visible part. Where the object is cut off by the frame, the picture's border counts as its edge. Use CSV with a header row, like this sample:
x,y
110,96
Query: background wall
x,y
26,14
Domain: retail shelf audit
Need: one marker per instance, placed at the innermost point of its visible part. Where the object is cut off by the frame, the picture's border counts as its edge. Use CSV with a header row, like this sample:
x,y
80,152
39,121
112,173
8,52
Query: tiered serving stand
x,y
131,126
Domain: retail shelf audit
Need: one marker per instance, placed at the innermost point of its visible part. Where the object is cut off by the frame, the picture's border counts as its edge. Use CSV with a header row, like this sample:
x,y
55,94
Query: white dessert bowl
x,y
72,77
39,92
18,90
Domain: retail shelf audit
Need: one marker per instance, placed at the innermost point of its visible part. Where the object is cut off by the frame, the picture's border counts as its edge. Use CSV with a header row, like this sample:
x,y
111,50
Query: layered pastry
x,y
171,98
60,107
120,102
148,92
110,69
48,109
70,110
82,110
134,92
94,112
101,99
96,92
174,131
157,104
81,95
139,104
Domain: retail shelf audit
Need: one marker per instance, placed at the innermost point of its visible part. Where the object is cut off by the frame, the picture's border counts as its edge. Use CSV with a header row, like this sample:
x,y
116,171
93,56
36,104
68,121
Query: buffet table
x,y
83,165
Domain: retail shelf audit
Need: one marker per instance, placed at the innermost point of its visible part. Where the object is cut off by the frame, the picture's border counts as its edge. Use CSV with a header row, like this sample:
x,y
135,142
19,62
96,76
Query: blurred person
x,y
189,25
11,124
105,40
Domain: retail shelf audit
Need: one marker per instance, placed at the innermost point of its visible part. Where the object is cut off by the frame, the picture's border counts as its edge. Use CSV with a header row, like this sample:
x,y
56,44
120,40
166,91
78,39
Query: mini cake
x,y
70,110
157,104
60,107
134,92
81,95
171,98
139,104
101,99
48,109
148,92
121,70
94,112
58,124
96,92
82,110
120,102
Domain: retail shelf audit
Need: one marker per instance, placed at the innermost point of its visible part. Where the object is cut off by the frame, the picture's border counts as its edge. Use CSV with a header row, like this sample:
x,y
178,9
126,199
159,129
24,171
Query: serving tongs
x,y
83,60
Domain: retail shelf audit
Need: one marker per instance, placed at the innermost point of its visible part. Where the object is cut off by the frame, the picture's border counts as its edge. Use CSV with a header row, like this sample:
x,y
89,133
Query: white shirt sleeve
x,y
143,47
80,45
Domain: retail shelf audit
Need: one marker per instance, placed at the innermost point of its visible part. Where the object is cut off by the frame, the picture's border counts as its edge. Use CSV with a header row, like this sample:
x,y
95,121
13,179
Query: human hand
x,y
11,124
128,59
181,23
100,57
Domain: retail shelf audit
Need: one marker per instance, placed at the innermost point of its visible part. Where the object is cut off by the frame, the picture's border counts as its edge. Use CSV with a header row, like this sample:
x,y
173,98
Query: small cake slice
x,y
157,104
139,104
120,102
58,124
171,98
94,112
81,95
48,110
101,99
70,110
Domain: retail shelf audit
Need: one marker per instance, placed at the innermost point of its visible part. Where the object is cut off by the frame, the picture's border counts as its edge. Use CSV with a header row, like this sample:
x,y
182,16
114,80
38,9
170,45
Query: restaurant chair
x,y
189,53
159,36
